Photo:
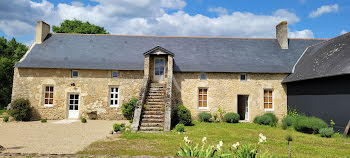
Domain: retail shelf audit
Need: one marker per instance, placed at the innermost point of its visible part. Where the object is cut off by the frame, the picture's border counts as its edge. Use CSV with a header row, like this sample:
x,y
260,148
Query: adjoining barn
x,y
320,83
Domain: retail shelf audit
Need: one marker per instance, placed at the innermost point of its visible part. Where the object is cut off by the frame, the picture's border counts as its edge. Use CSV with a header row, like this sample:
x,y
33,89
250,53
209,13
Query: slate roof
x,y
329,58
191,54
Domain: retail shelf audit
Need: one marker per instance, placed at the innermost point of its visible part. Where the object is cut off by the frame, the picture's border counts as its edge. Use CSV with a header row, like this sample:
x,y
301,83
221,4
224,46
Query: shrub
x,y
231,117
43,120
292,112
266,119
284,126
6,118
129,108
20,110
180,128
308,124
287,121
116,127
130,121
204,117
183,115
326,132
83,120
216,118
222,113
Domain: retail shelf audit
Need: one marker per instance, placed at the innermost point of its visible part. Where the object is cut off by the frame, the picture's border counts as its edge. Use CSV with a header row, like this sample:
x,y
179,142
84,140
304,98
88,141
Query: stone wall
x,y
223,89
92,85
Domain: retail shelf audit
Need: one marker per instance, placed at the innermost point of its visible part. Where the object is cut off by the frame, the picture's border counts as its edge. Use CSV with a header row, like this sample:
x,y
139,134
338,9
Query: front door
x,y
73,106
159,65
243,107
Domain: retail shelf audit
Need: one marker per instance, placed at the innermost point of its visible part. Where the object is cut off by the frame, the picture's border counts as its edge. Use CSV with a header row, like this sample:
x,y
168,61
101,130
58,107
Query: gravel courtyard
x,y
53,137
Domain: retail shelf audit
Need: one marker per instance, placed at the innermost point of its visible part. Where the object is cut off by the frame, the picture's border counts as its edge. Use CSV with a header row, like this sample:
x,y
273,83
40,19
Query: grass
x,y
166,144
2,111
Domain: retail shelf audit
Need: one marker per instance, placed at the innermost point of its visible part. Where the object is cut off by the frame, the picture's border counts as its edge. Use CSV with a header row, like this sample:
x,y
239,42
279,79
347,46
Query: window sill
x,y
114,106
269,109
48,105
204,109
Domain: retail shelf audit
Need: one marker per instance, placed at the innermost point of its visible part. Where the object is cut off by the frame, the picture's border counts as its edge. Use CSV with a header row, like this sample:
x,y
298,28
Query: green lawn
x,y
166,144
2,111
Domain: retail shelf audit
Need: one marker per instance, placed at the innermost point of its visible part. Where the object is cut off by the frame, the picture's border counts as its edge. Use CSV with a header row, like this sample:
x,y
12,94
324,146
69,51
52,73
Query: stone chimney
x,y
42,30
282,34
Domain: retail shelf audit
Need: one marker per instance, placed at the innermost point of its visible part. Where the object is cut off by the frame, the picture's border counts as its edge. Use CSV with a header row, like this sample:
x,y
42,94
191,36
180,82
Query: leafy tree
x,y
77,26
10,53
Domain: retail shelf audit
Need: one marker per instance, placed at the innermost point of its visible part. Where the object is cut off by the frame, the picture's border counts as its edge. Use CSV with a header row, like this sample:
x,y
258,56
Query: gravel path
x,y
52,137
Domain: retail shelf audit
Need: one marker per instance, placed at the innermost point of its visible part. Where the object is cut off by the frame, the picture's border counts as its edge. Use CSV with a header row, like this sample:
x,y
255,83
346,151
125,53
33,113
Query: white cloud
x,y
219,10
16,27
238,24
144,17
301,34
324,10
343,31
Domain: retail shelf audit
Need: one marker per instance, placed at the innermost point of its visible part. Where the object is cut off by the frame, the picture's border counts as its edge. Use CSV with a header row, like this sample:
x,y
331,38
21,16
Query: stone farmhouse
x,y
91,76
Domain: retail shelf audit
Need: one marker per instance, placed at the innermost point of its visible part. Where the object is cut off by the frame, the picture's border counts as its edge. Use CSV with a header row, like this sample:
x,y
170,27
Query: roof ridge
x,y
179,36
326,40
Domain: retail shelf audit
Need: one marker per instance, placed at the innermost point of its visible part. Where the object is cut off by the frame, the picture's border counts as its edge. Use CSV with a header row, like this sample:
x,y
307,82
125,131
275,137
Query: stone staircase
x,y
153,111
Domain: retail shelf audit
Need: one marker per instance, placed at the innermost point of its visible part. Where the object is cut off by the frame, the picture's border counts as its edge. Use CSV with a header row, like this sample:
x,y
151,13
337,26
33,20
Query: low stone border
x,y
32,155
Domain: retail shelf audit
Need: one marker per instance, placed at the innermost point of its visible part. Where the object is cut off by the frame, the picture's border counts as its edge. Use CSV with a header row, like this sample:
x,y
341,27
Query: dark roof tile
x,y
191,54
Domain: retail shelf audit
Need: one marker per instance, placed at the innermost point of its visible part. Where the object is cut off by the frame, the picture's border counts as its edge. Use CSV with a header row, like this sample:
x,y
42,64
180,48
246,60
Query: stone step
x,y
154,109
156,89
152,124
155,97
157,85
152,120
154,106
153,116
147,112
155,103
156,94
156,100
151,128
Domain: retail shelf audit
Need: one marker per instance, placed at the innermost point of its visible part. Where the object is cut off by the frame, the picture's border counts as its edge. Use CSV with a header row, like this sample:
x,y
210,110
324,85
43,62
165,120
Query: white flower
x,y
235,145
178,132
262,138
204,140
218,146
186,139
221,143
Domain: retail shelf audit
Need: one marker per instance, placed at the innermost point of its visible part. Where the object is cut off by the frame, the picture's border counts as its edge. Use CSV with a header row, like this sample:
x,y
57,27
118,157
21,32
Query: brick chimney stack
x,y
42,30
282,34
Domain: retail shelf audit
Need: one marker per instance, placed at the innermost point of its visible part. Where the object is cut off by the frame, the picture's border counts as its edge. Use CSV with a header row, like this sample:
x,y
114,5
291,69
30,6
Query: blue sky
x,y
229,18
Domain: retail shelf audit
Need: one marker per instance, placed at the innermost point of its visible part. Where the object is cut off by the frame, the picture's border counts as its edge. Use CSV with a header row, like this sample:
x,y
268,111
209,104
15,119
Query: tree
x,y
10,53
77,26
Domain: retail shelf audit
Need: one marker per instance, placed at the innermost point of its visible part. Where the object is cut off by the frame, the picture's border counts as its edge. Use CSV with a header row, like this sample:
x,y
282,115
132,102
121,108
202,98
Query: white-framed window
x,y
268,99
75,73
48,96
203,76
203,98
113,96
114,74
243,77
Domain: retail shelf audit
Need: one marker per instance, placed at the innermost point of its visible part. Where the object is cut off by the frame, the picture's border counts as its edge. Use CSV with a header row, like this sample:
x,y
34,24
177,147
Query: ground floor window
x,y
48,96
203,98
113,99
268,100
